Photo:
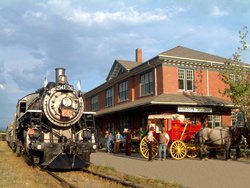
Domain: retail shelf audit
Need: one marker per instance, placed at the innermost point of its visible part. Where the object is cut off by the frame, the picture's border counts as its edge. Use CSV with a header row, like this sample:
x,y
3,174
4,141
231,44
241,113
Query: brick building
x,y
178,81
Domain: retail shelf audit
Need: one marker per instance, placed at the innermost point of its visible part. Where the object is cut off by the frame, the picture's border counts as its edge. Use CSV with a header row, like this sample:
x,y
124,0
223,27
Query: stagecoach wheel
x,y
178,150
192,151
144,148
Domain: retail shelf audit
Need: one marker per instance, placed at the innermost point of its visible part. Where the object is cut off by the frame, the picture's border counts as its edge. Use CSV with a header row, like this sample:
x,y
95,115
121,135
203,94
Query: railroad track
x,y
63,182
66,184
122,182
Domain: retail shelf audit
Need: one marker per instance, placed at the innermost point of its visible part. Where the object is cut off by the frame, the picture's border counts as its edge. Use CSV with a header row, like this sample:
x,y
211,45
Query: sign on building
x,y
194,109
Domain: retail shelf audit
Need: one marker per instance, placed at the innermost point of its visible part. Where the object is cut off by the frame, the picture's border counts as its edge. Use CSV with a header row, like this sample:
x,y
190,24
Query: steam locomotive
x,y
51,127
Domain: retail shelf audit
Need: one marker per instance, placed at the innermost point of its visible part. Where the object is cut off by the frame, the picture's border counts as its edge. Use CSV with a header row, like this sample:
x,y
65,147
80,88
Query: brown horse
x,y
239,135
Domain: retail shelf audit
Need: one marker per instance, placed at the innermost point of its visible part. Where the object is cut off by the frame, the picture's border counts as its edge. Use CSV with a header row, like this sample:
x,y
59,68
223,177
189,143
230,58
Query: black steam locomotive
x,y
51,127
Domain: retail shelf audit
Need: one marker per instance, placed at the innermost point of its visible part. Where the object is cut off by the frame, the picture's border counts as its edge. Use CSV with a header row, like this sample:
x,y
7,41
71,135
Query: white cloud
x,y
128,16
216,11
2,87
36,15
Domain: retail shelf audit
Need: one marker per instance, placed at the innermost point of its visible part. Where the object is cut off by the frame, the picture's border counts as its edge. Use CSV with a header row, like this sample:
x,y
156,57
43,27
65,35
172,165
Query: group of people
x,y
113,141
163,143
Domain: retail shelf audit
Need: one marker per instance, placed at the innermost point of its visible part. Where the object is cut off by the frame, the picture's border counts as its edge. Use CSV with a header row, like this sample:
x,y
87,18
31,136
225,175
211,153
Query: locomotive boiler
x,y
51,127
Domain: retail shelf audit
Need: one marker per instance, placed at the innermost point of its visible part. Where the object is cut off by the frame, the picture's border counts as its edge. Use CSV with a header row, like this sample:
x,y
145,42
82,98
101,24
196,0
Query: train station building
x,y
178,81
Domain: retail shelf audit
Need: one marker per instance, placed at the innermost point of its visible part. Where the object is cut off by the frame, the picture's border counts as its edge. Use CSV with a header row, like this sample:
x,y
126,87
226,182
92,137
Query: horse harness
x,y
221,138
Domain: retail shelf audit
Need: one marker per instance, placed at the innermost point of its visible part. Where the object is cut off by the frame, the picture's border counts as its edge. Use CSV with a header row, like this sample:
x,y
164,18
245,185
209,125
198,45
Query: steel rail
x,y
63,182
122,182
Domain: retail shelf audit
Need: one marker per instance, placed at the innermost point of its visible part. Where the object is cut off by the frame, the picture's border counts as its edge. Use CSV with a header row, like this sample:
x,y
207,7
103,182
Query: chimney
x,y
138,55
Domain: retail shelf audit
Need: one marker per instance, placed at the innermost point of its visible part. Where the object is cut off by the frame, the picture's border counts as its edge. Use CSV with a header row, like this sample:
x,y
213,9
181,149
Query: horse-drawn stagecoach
x,y
181,133
188,138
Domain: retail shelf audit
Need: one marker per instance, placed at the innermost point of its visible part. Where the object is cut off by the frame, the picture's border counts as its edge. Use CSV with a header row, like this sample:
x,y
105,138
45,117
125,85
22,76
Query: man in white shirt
x,y
150,142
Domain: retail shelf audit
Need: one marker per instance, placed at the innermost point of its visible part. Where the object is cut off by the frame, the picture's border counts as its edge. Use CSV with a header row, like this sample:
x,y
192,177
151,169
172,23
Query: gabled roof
x,y
121,66
188,53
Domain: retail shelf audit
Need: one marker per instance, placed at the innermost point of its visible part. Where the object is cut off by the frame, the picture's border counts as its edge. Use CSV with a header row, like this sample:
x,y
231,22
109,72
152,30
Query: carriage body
x,y
180,131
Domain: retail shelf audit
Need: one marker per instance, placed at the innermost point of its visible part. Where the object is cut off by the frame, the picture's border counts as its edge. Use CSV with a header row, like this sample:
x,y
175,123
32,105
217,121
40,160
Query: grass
x,y
15,173
140,181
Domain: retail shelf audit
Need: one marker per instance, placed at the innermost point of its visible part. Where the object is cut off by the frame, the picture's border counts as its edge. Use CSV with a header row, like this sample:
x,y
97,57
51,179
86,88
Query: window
x,y
94,103
214,121
146,84
186,79
123,91
109,97
238,119
22,106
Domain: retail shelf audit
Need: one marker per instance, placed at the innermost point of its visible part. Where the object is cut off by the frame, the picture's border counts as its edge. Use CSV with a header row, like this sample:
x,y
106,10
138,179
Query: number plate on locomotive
x,y
67,113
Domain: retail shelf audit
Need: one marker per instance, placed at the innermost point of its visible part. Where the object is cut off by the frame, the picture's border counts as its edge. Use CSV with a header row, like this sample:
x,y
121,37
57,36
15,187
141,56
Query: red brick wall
x,y
137,84
170,79
215,84
159,73
225,120
167,82
167,77
200,82
87,104
101,100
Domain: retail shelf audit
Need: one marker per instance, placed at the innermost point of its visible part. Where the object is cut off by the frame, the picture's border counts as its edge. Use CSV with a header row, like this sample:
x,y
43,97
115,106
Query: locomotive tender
x,y
51,127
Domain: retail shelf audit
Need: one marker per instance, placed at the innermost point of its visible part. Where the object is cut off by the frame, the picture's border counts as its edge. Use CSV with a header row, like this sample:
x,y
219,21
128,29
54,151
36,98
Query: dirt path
x,y
190,173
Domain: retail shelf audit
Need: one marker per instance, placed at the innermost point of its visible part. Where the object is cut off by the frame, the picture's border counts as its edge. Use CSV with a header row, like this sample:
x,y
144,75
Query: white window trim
x,y
185,79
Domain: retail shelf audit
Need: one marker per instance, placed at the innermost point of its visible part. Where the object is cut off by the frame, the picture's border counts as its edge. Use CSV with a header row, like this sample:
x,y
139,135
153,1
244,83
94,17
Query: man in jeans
x,y
118,139
164,139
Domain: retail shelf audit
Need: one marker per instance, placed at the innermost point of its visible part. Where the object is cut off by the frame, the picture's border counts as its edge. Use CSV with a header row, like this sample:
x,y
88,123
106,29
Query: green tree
x,y
236,76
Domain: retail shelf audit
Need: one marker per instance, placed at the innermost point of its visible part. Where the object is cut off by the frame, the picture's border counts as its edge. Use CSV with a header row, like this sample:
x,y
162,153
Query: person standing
x,y
128,143
164,139
106,140
110,142
150,143
118,139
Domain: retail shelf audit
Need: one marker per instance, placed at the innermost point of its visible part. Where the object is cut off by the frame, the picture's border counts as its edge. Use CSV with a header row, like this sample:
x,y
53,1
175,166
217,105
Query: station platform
x,y
192,173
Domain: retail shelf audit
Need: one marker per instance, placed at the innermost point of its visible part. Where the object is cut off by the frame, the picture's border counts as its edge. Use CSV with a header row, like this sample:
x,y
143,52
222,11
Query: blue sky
x,y
86,36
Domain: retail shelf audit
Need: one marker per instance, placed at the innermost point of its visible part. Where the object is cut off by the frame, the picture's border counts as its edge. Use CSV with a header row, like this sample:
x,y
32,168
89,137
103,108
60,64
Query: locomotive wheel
x,y
144,148
178,150
192,151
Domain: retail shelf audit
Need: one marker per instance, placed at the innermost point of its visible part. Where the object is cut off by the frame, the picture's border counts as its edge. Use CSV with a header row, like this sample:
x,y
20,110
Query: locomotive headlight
x,y
66,102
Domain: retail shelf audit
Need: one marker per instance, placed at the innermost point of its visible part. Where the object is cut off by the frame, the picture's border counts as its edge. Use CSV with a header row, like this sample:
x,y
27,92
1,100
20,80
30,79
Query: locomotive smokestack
x,y
61,78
